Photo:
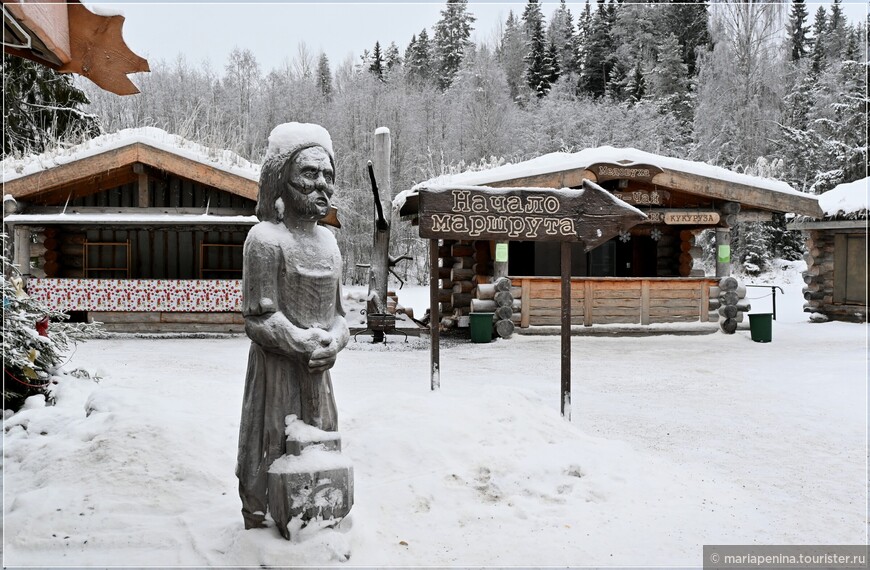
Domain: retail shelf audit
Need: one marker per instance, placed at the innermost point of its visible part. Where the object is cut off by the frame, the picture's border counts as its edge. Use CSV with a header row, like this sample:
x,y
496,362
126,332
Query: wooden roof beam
x,y
93,185
61,178
733,192
197,171
34,185
572,178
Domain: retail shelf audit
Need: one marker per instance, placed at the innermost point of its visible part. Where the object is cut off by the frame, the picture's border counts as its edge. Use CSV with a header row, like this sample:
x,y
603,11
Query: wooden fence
x,y
604,300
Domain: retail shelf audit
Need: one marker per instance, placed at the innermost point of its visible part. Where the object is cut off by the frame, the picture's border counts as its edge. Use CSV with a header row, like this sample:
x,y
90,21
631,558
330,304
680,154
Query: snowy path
x,y
676,442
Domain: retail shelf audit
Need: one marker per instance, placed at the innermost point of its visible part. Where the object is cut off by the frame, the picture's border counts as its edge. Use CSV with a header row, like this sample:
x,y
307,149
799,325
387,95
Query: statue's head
x,y
298,175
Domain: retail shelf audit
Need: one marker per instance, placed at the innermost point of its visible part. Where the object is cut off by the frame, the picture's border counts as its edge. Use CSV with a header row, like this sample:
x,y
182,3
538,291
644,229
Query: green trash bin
x,y
761,327
481,327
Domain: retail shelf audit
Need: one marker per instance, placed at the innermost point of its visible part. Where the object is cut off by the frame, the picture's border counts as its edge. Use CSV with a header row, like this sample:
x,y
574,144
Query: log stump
x,y
311,481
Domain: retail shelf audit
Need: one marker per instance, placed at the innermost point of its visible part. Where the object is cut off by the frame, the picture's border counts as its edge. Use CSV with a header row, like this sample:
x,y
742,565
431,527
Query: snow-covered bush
x,y
35,339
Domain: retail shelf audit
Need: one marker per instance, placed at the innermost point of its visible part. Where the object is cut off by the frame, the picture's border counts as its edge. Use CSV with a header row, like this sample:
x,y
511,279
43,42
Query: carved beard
x,y
303,206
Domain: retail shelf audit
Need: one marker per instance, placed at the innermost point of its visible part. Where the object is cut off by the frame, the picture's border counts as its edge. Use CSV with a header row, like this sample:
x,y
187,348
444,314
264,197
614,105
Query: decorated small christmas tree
x,y
35,339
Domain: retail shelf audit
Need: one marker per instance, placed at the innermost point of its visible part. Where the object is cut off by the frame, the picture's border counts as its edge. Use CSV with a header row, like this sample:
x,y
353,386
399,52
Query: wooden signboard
x,y
682,217
692,217
614,171
645,197
590,215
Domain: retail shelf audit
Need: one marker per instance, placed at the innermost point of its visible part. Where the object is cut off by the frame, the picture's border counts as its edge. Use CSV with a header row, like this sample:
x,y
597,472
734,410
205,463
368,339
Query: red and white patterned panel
x,y
145,295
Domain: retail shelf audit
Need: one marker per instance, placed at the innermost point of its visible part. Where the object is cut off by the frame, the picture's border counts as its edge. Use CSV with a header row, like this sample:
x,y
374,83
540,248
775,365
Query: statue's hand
x,y
323,358
309,340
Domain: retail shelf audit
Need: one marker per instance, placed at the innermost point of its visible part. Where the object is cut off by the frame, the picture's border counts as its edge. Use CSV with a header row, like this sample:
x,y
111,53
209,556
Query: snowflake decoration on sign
x,y
655,233
624,236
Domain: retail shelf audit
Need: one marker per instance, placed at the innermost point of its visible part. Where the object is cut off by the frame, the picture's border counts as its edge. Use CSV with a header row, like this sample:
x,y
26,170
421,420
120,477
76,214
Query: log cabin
x,y
650,274
141,230
836,275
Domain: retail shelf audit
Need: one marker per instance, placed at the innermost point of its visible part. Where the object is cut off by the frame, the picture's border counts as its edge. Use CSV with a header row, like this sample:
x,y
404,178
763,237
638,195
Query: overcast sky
x,y
273,30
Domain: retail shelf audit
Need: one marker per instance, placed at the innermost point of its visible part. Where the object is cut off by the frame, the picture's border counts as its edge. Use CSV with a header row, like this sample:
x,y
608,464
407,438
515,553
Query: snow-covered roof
x,y
224,160
559,161
714,182
845,199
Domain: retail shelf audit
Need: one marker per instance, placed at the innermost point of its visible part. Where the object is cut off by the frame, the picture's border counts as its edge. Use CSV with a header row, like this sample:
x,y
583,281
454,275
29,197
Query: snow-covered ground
x,y
676,442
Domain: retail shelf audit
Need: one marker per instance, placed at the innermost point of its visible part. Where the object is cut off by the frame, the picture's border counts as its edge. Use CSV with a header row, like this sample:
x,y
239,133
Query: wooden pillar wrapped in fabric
x,y
723,252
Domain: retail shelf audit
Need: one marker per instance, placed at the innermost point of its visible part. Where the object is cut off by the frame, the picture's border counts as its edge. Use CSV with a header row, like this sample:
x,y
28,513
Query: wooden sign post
x,y
589,215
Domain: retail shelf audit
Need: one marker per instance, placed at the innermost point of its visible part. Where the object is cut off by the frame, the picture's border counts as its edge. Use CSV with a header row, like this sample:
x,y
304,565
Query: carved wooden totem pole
x,y
289,460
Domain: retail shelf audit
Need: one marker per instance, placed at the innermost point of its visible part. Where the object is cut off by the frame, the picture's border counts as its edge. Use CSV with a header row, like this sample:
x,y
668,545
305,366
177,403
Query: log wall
x,y
820,279
155,253
169,322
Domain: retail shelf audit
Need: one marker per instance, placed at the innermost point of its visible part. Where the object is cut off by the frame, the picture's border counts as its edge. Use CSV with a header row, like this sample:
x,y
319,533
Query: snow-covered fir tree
x,y
537,72
418,59
511,54
753,248
551,63
376,66
598,50
324,76
836,31
41,107
562,34
669,79
688,20
392,59
636,84
452,33
584,35
798,30
820,37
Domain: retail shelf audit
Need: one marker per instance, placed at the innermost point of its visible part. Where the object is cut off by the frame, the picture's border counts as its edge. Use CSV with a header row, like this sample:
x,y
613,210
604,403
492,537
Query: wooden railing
x,y
605,300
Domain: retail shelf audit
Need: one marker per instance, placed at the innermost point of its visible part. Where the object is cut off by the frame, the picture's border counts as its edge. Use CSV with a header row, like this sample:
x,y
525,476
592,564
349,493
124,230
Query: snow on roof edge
x,y
559,161
224,160
845,199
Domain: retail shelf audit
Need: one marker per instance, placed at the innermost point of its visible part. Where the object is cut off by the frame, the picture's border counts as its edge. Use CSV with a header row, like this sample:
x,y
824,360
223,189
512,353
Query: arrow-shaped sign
x,y
590,215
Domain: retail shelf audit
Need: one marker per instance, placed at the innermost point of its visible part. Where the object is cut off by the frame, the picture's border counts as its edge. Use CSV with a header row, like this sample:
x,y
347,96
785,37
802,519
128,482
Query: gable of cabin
x,y
134,212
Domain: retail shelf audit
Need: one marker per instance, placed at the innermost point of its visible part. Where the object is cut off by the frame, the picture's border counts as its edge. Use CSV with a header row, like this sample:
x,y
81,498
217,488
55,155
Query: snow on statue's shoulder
x,y
845,199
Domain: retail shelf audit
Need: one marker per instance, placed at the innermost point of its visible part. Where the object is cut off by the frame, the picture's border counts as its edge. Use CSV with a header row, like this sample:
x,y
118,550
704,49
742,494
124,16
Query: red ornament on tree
x,y
42,326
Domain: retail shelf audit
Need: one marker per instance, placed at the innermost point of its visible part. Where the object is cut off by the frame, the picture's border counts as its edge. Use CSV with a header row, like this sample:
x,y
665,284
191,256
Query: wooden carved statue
x,y
288,461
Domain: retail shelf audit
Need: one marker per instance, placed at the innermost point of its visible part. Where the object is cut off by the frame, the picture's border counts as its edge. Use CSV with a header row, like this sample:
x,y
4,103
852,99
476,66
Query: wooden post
x,y
526,301
588,302
380,260
723,252
704,308
21,253
139,169
644,302
434,318
566,330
